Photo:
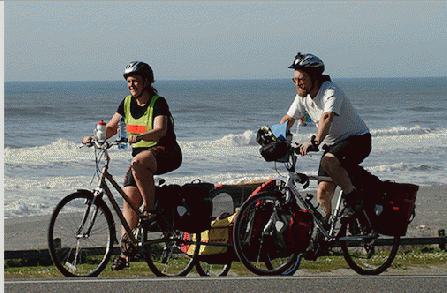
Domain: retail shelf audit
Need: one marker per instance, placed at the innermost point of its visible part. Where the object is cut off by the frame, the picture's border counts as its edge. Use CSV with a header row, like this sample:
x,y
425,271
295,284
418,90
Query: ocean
x,y
216,124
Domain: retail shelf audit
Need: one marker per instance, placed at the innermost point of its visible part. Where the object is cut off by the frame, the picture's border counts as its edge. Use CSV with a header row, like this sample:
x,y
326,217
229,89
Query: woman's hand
x,y
87,139
135,138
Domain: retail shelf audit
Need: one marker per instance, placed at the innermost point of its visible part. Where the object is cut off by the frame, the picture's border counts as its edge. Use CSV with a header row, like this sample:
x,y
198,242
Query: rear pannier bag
x,y
188,208
193,207
396,210
390,205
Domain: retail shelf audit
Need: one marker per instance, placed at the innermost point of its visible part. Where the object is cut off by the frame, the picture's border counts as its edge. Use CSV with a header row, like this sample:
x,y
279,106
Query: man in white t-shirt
x,y
344,133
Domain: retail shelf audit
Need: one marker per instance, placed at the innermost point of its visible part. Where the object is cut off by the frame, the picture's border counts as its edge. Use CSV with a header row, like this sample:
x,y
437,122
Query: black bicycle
x,y
264,251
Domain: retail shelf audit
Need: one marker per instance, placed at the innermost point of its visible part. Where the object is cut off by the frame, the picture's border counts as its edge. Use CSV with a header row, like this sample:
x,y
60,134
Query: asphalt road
x,y
333,284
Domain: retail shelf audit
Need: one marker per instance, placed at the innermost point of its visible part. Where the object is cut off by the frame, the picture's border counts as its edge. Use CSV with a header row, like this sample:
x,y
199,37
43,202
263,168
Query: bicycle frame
x,y
292,192
103,188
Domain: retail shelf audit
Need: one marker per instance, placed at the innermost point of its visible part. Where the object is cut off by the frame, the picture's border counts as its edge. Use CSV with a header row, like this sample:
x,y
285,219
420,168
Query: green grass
x,y
406,258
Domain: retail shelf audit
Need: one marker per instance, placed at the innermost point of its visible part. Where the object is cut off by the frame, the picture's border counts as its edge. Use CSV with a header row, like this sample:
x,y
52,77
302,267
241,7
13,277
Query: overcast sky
x,y
75,40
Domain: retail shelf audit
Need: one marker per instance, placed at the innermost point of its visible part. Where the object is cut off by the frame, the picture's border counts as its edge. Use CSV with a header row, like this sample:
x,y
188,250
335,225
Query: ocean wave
x,y
403,167
417,130
248,138
58,151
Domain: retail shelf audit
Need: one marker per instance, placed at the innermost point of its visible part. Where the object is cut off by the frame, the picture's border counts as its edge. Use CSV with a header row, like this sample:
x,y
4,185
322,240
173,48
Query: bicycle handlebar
x,y
103,144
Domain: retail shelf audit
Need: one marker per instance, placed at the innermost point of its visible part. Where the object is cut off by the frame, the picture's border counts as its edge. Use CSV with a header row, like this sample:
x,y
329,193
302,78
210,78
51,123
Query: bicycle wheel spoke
x,y
171,254
253,237
77,247
368,253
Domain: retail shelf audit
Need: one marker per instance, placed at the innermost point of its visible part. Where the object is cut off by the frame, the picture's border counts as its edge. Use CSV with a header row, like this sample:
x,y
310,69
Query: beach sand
x,y
30,233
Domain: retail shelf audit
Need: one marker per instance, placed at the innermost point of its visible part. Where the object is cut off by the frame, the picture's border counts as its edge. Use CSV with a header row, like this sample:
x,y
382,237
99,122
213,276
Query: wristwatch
x,y
314,142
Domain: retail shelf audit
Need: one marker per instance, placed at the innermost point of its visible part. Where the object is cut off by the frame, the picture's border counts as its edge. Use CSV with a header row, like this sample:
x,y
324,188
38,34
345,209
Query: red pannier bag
x,y
291,227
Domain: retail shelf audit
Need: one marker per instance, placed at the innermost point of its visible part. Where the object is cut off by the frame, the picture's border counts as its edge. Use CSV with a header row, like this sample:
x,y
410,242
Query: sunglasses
x,y
297,80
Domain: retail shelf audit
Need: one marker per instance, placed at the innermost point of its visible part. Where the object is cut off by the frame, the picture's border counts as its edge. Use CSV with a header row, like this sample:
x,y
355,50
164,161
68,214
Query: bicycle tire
x,y
173,253
367,255
77,255
207,269
255,250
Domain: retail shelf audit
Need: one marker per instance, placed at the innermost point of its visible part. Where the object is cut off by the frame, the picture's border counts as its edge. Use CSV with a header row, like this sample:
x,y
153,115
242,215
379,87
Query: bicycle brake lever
x,y
303,179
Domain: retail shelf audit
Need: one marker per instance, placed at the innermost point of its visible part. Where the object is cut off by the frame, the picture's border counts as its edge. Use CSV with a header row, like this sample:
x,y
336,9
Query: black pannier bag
x,y
166,197
193,208
397,210
390,205
188,208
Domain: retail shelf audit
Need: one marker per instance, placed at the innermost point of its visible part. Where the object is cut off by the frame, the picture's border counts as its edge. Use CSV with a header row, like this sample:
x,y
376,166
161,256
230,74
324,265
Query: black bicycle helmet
x,y
308,63
139,68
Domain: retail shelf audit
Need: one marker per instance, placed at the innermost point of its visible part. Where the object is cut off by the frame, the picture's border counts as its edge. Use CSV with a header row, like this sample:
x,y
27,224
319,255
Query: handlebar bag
x,y
274,151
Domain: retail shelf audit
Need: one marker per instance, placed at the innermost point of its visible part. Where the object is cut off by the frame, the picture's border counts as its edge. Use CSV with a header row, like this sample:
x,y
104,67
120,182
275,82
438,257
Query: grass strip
x,y
407,258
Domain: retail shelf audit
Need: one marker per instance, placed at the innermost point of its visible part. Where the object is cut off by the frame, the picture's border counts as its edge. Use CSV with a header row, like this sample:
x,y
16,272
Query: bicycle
x,y
365,250
82,231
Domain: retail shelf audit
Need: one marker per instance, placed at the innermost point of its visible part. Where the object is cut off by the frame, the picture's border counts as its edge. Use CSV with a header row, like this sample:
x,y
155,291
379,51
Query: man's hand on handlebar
x,y
311,146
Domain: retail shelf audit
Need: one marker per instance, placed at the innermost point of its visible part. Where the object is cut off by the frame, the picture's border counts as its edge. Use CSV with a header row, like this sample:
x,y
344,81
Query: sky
x,y
94,41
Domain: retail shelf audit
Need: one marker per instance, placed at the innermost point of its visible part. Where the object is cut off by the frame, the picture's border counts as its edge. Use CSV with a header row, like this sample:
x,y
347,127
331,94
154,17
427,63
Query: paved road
x,y
320,284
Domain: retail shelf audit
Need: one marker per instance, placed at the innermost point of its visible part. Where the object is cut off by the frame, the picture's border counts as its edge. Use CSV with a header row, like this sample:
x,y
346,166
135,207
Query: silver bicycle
x,y
365,250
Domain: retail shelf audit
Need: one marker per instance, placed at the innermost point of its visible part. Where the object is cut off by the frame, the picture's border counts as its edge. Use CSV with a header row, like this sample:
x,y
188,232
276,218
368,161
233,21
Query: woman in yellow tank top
x,y
150,128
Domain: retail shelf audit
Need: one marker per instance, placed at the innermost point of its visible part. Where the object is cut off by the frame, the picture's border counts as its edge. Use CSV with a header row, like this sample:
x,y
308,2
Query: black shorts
x,y
168,159
350,152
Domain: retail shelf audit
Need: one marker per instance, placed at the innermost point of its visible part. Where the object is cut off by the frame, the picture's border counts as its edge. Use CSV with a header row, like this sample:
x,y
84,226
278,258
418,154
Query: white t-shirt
x,y
330,98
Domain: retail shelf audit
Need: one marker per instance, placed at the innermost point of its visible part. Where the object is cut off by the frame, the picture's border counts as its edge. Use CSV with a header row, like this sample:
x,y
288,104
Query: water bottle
x,y
122,134
101,131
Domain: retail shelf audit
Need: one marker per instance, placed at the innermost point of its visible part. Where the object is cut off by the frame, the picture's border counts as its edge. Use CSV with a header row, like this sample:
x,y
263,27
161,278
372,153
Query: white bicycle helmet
x,y
140,68
308,63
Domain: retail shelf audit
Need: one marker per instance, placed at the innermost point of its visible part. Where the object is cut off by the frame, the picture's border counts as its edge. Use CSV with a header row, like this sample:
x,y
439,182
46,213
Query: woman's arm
x,y
160,129
111,128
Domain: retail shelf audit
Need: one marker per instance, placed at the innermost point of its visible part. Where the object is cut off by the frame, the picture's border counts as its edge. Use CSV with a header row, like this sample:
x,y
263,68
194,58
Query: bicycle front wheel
x,y
253,241
367,254
172,253
81,235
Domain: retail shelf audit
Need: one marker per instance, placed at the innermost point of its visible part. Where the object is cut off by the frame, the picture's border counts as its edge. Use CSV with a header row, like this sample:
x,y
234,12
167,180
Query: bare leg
x,y
325,193
144,165
332,166
129,214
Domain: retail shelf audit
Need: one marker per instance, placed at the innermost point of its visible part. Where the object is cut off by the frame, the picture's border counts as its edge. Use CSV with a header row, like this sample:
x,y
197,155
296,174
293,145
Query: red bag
x,y
299,232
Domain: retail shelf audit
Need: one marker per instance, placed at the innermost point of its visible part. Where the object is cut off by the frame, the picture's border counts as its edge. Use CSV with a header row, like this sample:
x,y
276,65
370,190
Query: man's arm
x,y
324,125
289,119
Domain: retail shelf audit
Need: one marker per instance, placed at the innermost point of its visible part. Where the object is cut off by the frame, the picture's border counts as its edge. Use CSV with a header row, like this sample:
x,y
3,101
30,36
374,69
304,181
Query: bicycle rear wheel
x,y
173,253
253,241
369,254
207,269
81,235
